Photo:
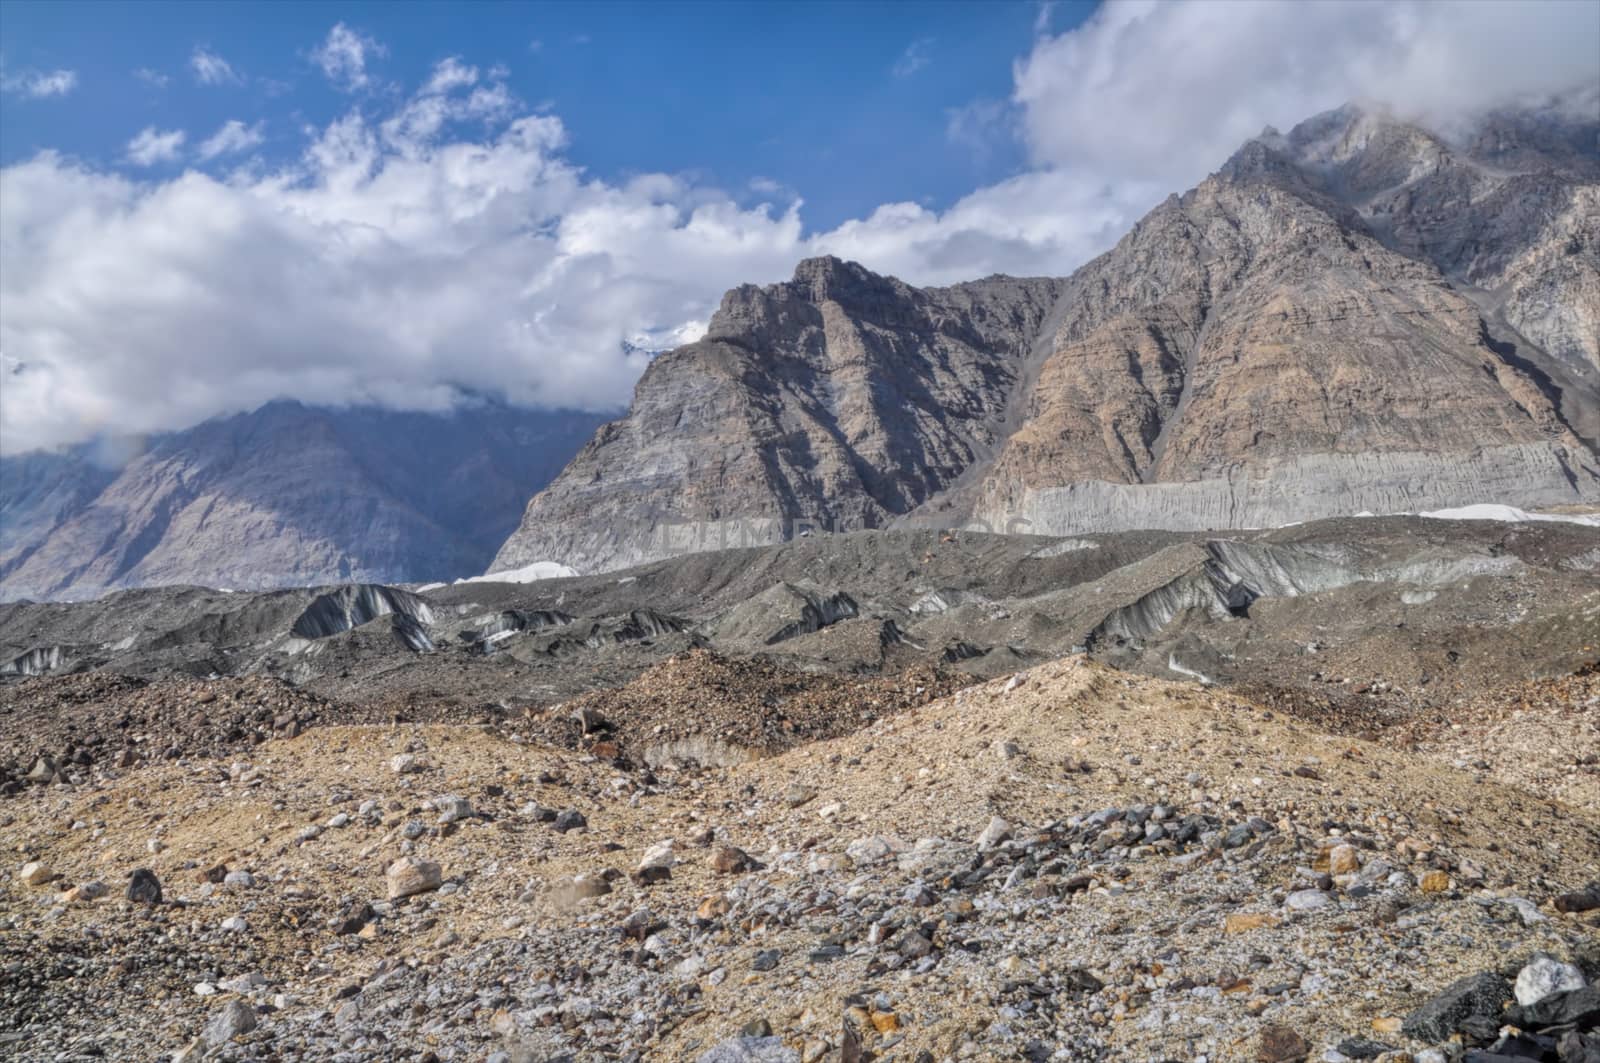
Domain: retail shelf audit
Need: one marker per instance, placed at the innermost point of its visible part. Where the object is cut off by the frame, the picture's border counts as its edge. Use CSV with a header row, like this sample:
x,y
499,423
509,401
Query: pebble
x,y
996,832
144,887
797,794
235,1018
411,875
35,874
1546,976
1307,900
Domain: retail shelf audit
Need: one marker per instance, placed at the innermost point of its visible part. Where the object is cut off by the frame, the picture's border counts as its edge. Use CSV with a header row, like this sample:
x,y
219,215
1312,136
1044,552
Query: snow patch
x,y
526,574
1509,514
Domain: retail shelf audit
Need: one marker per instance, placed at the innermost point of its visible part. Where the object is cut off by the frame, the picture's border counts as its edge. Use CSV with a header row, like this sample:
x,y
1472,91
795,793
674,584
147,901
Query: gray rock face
x,y
837,399
1358,316
288,495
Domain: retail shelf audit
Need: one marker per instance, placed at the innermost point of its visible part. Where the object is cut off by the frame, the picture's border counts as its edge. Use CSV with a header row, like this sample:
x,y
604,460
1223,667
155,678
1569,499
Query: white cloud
x,y
914,58
152,146
448,242
152,77
343,57
211,69
36,85
234,136
1166,91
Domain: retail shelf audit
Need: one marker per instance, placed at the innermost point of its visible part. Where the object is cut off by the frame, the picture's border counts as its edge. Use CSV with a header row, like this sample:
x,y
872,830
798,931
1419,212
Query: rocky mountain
x,y
1360,315
286,495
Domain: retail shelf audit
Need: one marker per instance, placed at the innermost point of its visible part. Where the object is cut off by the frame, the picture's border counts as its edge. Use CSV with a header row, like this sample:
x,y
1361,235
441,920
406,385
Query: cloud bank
x,y
445,241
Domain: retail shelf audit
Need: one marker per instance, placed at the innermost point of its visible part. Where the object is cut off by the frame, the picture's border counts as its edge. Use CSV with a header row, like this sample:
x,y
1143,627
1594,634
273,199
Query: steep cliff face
x,y
286,495
1359,316
839,399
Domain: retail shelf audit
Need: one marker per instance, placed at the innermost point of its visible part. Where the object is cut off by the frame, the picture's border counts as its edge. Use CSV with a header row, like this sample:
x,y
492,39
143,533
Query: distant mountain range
x,y
286,495
1361,315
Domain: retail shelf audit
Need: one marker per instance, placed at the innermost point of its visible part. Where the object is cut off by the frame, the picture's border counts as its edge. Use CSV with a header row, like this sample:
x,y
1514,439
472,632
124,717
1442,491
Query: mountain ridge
x,y
287,494
1312,330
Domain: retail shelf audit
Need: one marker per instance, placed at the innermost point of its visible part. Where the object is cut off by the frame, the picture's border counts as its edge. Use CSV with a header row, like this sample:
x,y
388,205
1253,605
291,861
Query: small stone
x,y
996,832
1280,1044
1434,882
580,887
571,819
713,907
1546,976
144,887
407,764
235,924
1244,922
658,855
452,809
865,852
235,1018
749,1050
411,875
1306,900
650,876
914,946
341,819
885,1022
729,859
797,794
1477,996
239,878
766,960
1344,859
35,874
1584,900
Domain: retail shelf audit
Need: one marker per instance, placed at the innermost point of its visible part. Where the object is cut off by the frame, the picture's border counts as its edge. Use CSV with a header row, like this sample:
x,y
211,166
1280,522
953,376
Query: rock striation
x,y
1358,316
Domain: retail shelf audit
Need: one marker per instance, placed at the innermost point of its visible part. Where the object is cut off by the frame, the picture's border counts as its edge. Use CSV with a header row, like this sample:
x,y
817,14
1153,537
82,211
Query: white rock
x,y
35,874
238,878
407,764
339,820
1546,976
1306,900
236,924
867,851
996,832
658,855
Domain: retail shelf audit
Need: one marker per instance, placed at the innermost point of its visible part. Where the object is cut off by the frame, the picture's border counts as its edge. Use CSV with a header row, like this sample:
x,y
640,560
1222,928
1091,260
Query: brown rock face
x,y
1359,316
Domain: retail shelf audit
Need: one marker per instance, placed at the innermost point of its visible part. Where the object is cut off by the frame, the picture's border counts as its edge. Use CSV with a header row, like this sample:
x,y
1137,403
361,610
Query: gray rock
x,y
1478,996
749,1050
144,887
235,1018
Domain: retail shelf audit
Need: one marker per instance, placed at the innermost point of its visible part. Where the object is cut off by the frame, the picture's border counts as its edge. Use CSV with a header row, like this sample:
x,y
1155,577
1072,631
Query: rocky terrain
x,y
894,795
1358,316
1067,863
284,496
1385,615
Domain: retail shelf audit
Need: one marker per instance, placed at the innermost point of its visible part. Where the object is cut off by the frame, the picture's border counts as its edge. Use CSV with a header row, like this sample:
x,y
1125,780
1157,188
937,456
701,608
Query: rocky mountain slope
x,y
286,495
1358,316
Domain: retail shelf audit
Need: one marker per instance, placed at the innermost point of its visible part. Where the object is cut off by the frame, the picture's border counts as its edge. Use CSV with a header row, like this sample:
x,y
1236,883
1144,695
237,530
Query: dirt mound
x,y
704,708
60,726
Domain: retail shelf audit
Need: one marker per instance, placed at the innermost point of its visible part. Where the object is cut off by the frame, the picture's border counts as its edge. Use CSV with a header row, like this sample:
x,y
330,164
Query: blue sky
x,y
204,207
848,105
